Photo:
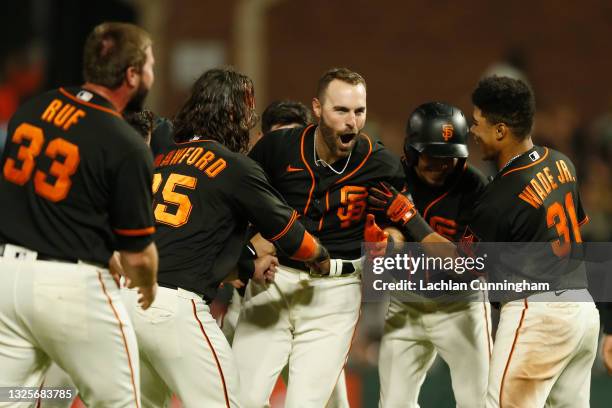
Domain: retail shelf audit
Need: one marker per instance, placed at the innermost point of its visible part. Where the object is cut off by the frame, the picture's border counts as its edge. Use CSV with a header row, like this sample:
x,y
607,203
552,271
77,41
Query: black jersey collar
x,y
90,98
527,159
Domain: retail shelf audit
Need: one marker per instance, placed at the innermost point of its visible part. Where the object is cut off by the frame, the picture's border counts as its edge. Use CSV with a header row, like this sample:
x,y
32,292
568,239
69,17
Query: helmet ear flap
x,y
411,156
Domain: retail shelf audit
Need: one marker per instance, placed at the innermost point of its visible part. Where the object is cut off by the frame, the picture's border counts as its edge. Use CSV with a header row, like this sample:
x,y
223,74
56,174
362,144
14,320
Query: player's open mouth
x,y
347,138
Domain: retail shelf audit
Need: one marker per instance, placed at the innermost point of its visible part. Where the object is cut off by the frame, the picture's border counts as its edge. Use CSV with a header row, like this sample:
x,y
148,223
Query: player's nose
x,y
351,121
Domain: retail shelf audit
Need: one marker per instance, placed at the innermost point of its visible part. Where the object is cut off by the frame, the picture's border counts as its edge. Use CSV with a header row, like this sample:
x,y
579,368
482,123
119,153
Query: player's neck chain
x,y
509,163
321,162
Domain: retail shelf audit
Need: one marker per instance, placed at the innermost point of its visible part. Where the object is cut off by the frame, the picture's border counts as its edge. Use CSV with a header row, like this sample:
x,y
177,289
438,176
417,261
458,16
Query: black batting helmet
x,y
436,129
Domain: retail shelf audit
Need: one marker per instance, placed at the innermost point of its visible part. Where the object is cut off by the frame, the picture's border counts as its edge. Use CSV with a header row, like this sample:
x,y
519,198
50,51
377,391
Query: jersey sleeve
x,y
265,150
269,213
131,212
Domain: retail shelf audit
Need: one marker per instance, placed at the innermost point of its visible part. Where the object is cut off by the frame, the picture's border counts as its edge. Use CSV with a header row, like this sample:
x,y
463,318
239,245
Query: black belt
x,y
171,286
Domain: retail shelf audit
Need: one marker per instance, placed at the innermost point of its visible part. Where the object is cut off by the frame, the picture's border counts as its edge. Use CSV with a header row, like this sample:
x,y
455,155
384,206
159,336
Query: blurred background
x,y
409,52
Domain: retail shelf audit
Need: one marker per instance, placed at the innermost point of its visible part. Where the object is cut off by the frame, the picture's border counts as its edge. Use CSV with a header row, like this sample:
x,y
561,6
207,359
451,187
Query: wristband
x,y
417,228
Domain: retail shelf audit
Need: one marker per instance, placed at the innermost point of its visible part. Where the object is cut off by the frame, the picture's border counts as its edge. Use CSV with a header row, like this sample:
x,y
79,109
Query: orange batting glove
x,y
376,236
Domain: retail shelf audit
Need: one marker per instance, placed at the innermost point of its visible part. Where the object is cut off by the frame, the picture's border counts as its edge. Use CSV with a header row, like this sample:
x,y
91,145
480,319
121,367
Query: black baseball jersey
x,y
331,206
534,199
447,208
76,179
204,197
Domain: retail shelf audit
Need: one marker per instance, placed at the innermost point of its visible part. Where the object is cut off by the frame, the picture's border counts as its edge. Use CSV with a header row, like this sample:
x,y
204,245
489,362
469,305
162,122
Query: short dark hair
x,y
142,121
285,113
110,49
341,74
506,100
221,107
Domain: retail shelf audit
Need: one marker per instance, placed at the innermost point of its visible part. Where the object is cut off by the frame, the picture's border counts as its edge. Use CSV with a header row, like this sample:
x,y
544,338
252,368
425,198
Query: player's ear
x,y
131,76
316,107
500,131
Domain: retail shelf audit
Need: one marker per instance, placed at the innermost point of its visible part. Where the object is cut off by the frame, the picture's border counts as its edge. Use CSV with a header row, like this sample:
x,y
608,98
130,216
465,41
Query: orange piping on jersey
x,y
284,231
445,194
125,345
433,202
365,159
214,353
307,249
91,105
586,219
307,167
516,335
529,165
194,141
135,232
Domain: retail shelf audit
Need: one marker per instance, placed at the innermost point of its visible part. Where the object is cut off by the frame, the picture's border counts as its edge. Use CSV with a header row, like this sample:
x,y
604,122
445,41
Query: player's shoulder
x,y
282,138
380,156
473,178
555,155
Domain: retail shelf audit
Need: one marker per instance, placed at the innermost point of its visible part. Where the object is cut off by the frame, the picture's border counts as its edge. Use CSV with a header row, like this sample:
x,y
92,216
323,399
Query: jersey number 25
x,y
169,196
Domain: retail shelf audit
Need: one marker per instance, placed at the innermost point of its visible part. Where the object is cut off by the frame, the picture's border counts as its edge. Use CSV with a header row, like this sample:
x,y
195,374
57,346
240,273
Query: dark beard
x,y
136,104
327,133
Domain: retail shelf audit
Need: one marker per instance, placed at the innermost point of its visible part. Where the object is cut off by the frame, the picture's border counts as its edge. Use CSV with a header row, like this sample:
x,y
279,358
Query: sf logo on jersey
x,y
352,204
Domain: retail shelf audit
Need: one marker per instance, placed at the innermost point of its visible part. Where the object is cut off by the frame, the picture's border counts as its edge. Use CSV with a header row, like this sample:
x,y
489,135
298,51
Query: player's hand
x,y
375,237
321,264
262,246
146,295
607,352
237,283
265,268
115,268
385,198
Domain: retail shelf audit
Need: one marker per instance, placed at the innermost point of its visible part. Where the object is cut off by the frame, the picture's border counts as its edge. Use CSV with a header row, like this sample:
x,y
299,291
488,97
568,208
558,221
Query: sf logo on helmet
x,y
447,132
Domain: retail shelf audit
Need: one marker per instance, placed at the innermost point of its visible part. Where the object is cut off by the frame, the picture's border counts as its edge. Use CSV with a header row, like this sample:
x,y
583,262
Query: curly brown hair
x,y
221,107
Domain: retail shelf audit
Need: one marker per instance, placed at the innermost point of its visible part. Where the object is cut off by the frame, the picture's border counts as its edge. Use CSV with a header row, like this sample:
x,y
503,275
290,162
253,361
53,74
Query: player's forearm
x,y
141,267
310,250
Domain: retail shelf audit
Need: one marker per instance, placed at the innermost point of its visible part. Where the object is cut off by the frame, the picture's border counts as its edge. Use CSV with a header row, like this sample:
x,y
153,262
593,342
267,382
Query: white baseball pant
x,y
415,332
305,321
71,314
339,397
182,351
543,354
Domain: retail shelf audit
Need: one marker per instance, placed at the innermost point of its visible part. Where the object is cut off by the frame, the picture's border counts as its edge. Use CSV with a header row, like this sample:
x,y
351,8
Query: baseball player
x,y
75,186
205,193
527,369
323,171
142,122
443,187
278,115
545,343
